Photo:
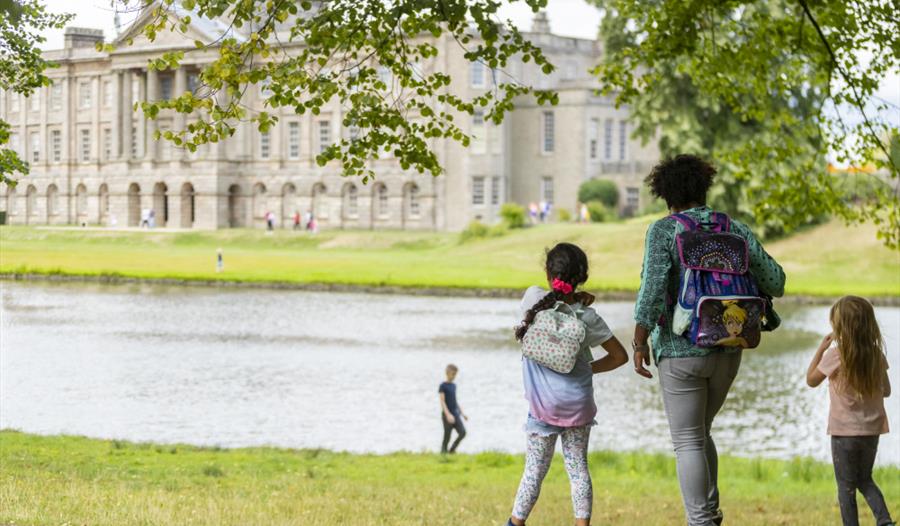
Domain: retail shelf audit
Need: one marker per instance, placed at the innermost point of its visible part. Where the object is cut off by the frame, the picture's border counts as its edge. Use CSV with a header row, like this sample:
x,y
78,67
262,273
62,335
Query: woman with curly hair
x,y
694,380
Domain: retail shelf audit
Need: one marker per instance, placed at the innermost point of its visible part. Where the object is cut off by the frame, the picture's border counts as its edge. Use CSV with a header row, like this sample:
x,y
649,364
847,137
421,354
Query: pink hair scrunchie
x,y
562,286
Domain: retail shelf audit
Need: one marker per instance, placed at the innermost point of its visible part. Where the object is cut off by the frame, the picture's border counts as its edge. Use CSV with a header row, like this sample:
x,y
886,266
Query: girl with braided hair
x,y
562,405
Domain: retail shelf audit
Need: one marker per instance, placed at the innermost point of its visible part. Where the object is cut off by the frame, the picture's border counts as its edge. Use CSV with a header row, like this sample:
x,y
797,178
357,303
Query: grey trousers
x,y
694,390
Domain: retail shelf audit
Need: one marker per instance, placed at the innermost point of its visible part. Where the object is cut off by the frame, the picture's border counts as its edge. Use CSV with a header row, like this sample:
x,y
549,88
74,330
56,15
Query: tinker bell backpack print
x,y
718,304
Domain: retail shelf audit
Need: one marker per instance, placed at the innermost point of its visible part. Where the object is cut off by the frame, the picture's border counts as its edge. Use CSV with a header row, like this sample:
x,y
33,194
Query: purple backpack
x,y
718,301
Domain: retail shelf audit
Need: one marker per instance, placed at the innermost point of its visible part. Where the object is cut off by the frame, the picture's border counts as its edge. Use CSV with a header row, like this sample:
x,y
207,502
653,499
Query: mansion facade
x,y
94,161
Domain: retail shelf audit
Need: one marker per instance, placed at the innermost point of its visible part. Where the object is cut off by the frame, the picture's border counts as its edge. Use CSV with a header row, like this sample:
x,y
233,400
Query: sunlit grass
x,y
73,480
827,260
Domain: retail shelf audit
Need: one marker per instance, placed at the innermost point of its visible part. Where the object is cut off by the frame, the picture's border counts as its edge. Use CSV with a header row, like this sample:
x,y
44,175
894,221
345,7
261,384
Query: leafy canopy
x,y
768,90
22,66
309,54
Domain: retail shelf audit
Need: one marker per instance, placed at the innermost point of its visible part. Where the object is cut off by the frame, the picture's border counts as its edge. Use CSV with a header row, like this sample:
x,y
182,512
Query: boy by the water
x,y
452,414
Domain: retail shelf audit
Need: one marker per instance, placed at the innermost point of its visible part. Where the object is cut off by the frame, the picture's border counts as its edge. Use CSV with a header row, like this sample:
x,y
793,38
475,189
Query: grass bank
x,y
828,260
75,480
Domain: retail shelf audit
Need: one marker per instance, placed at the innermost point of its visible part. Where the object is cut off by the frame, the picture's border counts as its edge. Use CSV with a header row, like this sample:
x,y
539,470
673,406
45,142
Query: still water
x,y
355,372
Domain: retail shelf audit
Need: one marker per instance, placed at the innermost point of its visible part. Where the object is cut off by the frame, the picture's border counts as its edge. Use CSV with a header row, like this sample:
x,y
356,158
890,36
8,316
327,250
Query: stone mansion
x,y
94,161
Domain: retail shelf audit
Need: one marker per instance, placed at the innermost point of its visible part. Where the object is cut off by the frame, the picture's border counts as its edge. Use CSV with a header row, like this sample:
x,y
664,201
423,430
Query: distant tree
x,y
600,190
22,66
767,89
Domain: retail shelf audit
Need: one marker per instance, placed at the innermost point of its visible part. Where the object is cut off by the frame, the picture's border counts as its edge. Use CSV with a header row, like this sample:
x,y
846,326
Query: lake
x,y
357,372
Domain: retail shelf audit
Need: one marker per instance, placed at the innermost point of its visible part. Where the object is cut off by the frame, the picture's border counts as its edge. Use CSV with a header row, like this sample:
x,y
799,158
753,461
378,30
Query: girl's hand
x,y
585,298
466,417
450,419
826,342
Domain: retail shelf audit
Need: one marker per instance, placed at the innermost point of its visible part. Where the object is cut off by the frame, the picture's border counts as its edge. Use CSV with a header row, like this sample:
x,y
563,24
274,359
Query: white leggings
x,y
539,454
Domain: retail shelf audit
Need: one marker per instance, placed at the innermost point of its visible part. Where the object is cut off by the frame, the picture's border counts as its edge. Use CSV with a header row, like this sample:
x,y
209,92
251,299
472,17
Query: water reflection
x,y
353,372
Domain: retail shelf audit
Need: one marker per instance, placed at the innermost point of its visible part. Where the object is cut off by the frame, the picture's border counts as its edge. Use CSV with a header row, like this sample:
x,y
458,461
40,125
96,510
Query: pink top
x,y
849,414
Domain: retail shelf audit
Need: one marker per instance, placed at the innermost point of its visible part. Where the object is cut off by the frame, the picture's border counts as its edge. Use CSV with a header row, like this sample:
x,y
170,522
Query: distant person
x,y
220,260
852,358
151,219
112,221
562,405
451,412
533,213
145,218
270,221
546,209
542,211
296,219
312,225
695,375
585,213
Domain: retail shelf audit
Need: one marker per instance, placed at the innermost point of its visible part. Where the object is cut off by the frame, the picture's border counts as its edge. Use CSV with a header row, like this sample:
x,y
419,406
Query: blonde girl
x,y
852,358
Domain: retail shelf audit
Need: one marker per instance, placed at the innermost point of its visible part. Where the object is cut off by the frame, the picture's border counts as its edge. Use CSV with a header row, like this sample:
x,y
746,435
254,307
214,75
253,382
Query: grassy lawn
x,y
74,480
827,260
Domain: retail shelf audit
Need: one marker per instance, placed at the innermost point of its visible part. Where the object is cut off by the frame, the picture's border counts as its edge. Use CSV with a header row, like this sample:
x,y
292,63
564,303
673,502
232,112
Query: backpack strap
x,y
685,221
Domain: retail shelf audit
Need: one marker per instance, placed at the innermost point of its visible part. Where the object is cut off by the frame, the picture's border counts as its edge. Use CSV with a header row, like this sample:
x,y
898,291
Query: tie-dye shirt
x,y
564,400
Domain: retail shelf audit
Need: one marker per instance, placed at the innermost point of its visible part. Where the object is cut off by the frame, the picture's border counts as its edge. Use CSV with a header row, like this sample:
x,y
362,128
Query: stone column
x,y
142,120
127,113
152,125
116,116
178,122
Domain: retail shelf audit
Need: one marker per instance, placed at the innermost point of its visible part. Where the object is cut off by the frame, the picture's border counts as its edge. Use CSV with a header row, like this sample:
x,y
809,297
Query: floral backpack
x,y
718,304
554,338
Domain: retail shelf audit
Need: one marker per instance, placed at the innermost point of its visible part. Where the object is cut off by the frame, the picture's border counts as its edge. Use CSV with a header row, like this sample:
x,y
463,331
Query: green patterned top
x,y
660,275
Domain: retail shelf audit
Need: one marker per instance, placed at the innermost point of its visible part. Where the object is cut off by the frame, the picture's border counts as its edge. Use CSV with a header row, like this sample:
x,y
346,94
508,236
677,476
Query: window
x,y
352,201
547,190
353,133
84,94
623,140
324,135
107,143
107,94
193,82
476,74
478,191
607,139
264,145
632,197
593,138
548,131
386,76
35,139
413,201
34,101
382,194
165,87
134,142
14,142
495,190
56,145
13,102
85,145
479,141
294,140
56,97
135,90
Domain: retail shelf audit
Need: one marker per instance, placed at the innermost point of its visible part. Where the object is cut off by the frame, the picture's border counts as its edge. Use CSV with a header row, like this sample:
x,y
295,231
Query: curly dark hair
x,y
566,262
681,181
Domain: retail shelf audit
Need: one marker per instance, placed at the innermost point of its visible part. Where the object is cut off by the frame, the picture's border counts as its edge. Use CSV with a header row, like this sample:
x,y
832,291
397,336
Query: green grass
x,y
828,260
74,480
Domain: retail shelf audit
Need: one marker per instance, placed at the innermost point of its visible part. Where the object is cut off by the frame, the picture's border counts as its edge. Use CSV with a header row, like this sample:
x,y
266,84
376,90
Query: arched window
x,y
319,194
160,204
381,201
412,206
52,201
235,207
351,201
259,200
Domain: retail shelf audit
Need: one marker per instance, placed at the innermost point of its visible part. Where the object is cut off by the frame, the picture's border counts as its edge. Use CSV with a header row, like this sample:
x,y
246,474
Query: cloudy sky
x,y
567,17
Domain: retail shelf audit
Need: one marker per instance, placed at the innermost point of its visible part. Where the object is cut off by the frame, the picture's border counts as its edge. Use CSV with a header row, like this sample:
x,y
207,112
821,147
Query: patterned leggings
x,y
539,454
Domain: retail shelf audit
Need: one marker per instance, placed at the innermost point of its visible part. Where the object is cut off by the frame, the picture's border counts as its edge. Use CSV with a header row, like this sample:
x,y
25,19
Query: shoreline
x,y
457,292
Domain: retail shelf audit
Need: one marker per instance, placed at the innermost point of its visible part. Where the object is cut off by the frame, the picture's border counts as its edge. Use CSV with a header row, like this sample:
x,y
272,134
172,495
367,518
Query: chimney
x,y
82,37
540,24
